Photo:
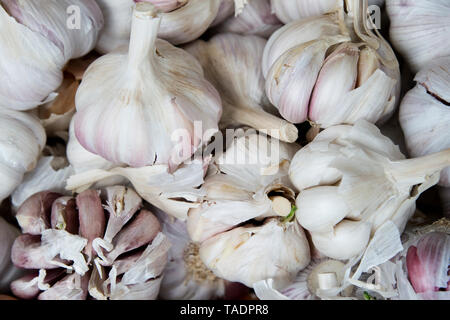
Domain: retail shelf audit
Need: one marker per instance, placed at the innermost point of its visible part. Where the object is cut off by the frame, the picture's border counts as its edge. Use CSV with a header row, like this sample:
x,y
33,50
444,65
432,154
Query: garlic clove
x,y
186,97
249,254
337,77
91,217
139,232
347,240
238,77
255,19
64,215
288,11
29,286
367,65
317,215
33,215
71,287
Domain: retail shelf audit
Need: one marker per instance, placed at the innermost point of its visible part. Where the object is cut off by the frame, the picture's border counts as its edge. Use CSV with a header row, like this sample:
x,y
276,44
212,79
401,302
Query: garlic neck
x,y
144,32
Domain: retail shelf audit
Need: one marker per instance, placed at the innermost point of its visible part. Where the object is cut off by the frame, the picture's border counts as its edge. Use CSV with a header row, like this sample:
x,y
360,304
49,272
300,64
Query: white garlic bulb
x,y
425,113
365,181
244,224
420,30
23,139
313,65
182,21
185,276
133,106
255,19
232,63
36,43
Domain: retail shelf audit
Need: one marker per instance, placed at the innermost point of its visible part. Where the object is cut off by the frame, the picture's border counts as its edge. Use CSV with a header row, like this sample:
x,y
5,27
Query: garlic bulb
x,y
130,120
418,26
37,43
255,19
425,113
232,64
23,139
182,21
292,10
313,65
185,276
9,273
75,234
365,180
244,224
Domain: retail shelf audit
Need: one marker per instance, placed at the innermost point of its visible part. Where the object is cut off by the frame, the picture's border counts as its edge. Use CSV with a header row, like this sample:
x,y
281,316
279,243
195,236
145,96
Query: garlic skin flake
x,y
242,225
367,181
232,63
142,118
425,113
417,26
182,21
22,141
313,65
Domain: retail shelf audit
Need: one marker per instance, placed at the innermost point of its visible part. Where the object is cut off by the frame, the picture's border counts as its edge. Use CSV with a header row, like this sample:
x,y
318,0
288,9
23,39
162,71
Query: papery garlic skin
x,y
232,63
417,26
23,139
360,172
142,119
425,113
255,19
185,276
291,10
181,24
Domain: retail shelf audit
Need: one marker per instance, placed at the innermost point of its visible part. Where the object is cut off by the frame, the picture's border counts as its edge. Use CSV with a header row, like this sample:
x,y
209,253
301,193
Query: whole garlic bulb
x,y
182,21
23,139
36,43
352,180
133,105
312,66
75,234
418,26
244,226
255,19
425,113
232,63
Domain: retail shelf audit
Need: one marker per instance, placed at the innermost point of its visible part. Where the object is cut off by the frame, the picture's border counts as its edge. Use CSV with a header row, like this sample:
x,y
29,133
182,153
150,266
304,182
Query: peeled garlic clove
x,y
139,232
297,33
425,113
238,76
182,22
414,40
122,204
33,215
255,19
64,215
22,143
71,287
317,215
184,96
348,239
91,217
250,254
288,11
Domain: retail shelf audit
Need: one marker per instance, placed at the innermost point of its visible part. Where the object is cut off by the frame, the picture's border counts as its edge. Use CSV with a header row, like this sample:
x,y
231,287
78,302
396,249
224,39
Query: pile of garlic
x,y
193,149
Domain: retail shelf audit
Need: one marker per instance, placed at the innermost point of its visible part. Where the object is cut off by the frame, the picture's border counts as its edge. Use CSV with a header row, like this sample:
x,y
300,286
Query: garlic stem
x,y
263,121
144,32
281,206
417,168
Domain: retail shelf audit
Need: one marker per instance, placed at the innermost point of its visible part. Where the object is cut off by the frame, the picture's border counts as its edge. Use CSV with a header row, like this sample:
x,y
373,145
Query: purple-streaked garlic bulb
x,y
100,244
37,41
182,21
244,226
125,118
425,113
332,69
256,18
232,63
